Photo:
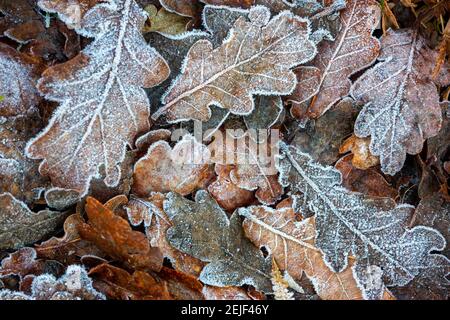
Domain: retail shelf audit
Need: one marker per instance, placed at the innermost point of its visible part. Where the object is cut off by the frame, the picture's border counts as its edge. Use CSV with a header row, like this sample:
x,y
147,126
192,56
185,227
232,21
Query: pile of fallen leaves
x,y
107,190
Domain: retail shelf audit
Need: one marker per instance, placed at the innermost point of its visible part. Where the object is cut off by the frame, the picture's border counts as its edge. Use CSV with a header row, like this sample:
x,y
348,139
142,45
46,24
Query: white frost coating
x,y
16,85
347,224
75,284
216,76
103,105
401,101
370,281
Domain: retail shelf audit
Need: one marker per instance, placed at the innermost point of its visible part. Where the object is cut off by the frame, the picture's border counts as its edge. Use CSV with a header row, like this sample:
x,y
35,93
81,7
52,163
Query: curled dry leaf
x,y
22,262
402,104
359,147
256,58
75,284
70,248
369,182
118,284
253,163
227,194
102,106
346,223
20,226
326,79
183,169
114,236
22,22
203,230
150,212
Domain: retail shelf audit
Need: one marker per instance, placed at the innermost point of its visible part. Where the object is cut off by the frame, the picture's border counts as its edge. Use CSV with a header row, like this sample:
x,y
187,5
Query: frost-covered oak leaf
x,y
20,226
183,169
326,79
150,213
18,77
401,100
291,243
102,105
203,230
348,224
255,59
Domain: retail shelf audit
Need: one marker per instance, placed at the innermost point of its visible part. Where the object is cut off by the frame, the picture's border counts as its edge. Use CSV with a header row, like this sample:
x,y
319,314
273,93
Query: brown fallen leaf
x,y
292,245
113,235
118,284
24,24
359,147
326,79
181,7
182,169
71,12
102,108
22,262
70,248
231,3
227,194
150,213
256,59
182,286
368,182
254,163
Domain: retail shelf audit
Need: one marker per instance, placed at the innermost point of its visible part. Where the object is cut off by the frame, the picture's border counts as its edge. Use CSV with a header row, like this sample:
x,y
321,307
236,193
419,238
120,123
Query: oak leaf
x,y
227,194
254,163
20,226
347,223
291,243
70,248
118,284
401,101
150,213
113,235
203,230
183,169
326,78
102,106
256,59
19,120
